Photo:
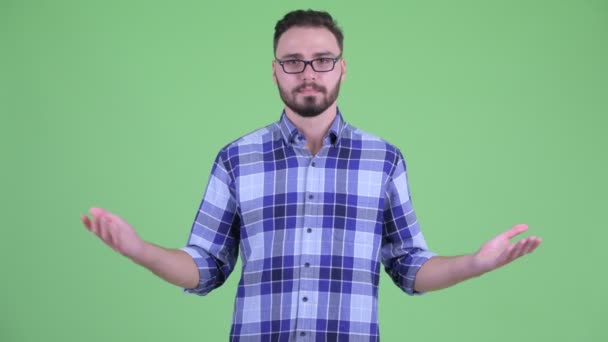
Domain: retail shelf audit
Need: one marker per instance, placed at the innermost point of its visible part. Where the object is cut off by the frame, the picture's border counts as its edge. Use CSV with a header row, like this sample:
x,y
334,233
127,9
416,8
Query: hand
x,y
499,251
114,231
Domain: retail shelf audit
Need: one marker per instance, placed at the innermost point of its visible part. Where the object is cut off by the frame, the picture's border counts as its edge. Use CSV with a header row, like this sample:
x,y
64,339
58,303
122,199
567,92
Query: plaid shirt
x,y
312,231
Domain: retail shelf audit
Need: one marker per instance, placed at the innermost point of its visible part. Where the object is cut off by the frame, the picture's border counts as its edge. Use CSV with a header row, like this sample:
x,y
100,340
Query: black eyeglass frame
x,y
306,63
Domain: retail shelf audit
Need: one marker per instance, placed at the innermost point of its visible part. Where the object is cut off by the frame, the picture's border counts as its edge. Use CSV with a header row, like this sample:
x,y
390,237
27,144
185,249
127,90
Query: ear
x,y
274,72
343,63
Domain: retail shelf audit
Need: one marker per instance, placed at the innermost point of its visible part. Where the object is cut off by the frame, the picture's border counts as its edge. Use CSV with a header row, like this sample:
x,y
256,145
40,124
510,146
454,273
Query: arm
x,y
212,248
213,243
174,266
404,248
440,272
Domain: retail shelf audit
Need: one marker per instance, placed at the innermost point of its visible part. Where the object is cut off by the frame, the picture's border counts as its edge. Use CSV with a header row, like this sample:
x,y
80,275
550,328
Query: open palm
x,y
499,251
114,231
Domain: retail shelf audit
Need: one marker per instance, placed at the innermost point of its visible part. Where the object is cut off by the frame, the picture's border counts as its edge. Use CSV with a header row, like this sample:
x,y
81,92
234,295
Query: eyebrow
x,y
315,55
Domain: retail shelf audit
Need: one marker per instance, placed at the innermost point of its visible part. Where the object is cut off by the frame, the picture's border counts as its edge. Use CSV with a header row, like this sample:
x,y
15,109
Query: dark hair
x,y
308,18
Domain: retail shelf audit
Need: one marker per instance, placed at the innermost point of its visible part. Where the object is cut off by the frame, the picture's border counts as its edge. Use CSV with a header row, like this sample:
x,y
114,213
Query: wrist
x,y
142,254
478,265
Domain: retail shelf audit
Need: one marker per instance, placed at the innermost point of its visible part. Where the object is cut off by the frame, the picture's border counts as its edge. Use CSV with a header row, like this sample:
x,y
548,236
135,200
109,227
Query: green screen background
x,y
498,106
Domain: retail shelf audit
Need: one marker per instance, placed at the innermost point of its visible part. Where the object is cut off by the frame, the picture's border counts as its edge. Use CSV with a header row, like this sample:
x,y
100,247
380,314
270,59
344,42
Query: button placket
x,y
311,188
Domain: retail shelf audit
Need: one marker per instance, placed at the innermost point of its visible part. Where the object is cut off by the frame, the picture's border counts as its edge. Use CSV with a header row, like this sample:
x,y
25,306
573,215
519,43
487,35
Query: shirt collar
x,y
291,135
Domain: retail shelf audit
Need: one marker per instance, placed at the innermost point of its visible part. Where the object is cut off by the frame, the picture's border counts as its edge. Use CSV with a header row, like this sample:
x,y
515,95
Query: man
x,y
314,205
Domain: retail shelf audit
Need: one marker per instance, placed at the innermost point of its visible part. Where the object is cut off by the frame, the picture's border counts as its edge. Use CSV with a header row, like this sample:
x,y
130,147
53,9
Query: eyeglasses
x,y
296,66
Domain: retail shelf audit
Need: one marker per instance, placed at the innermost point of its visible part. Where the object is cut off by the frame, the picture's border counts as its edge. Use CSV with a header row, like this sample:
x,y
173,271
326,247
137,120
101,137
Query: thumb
x,y
96,211
515,230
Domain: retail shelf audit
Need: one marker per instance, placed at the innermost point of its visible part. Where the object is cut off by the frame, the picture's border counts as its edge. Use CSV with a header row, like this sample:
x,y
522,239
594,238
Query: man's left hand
x,y
499,251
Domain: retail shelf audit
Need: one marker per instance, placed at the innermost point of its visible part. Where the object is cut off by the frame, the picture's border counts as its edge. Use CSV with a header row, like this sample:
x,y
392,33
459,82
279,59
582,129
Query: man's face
x,y
308,93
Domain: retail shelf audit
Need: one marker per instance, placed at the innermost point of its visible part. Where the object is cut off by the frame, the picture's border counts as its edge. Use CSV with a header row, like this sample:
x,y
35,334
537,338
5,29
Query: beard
x,y
311,105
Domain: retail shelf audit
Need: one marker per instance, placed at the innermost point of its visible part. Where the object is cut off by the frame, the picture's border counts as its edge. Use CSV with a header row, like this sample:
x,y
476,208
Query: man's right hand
x,y
114,231
172,265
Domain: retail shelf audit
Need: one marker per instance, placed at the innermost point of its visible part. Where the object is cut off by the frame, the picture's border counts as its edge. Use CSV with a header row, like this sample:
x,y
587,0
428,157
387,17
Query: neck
x,y
314,128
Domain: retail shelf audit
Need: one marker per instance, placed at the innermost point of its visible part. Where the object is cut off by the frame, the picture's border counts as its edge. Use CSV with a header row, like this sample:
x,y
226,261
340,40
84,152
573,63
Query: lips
x,y
309,90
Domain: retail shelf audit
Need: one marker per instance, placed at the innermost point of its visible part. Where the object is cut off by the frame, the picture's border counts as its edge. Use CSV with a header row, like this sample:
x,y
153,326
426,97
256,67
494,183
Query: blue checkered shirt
x,y
311,230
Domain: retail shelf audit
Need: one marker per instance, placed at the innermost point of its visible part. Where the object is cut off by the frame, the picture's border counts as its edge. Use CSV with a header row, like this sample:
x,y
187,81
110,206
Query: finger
x,y
120,224
503,257
95,214
102,212
96,211
114,218
109,233
112,232
533,244
85,220
515,230
529,243
506,255
95,225
103,222
525,248
517,251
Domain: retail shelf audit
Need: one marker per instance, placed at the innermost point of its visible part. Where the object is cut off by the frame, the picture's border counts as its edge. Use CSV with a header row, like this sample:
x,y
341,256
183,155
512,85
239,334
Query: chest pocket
x,y
358,202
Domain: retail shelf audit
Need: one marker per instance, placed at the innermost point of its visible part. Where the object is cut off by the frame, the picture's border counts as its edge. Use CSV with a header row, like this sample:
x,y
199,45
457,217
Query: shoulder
x,y
253,142
254,139
355,136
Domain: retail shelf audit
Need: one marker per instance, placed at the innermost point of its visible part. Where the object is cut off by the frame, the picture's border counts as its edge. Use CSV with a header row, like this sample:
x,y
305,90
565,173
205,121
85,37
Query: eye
x,y
326,60
291,62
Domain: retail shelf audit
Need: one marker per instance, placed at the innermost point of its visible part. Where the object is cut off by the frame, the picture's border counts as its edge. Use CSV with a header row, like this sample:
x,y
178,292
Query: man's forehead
x,y
307,42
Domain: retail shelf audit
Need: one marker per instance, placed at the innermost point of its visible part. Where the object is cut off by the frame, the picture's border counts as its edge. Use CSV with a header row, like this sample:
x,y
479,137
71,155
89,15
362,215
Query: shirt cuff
x,y
420,259
207,269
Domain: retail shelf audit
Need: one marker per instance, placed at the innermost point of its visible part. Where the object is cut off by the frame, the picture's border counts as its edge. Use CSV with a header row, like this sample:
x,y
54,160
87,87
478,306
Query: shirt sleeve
x,y
404,249
214,238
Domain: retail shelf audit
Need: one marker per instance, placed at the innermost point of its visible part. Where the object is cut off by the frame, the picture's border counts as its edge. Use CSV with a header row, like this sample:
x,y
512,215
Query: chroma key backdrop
x,y
499,108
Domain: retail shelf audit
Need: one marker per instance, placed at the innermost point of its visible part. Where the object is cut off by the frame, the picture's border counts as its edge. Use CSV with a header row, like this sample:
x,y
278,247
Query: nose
x,y
309,73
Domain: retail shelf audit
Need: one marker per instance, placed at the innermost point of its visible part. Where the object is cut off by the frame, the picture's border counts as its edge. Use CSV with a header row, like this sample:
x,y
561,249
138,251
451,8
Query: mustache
x,y
310,85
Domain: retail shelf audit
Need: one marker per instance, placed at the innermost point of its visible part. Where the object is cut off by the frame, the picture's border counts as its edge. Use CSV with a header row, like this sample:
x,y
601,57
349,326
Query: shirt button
x,y
310,196
309,230
306,264
302,333
305,299
314,164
